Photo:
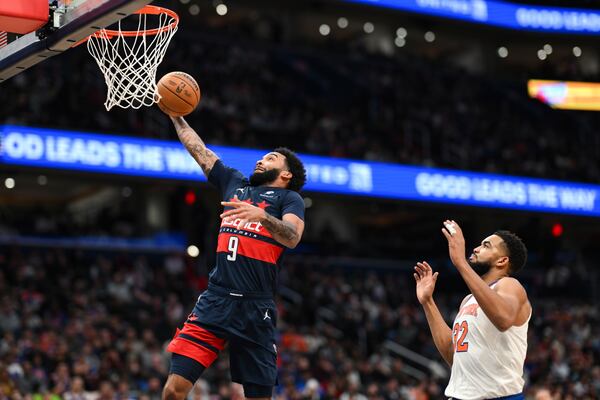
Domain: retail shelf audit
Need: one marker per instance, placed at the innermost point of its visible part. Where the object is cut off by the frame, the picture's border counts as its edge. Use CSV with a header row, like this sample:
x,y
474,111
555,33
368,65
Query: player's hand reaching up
x,y
425,281
456,242
243,211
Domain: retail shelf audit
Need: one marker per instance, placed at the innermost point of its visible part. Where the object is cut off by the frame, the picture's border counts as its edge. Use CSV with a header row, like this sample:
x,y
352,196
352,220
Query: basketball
x,y
179,94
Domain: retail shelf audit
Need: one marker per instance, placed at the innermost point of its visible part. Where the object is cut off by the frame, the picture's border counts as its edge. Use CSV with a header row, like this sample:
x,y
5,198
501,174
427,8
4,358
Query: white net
x,y
129,59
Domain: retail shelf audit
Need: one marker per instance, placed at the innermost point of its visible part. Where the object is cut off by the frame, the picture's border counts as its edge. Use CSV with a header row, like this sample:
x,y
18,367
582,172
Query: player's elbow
x,y
293,240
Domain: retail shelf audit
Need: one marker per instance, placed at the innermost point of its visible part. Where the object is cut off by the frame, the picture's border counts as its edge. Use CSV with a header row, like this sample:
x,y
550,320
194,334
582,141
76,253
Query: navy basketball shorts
x,y
246,322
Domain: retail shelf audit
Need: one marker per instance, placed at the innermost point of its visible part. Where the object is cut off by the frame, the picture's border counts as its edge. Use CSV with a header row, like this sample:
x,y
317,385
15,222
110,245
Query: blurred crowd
x,y
78,324
337,101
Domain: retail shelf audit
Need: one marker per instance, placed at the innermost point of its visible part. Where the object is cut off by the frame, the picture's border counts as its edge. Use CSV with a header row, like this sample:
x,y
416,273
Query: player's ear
x,y
286,175
502,262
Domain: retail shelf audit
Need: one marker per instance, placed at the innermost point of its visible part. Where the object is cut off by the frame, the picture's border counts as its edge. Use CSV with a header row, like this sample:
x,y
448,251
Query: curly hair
x,y
517,252
295,166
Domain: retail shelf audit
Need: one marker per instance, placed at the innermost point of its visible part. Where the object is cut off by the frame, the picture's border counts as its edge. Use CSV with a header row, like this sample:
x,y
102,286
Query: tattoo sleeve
x,y
205,157
282,231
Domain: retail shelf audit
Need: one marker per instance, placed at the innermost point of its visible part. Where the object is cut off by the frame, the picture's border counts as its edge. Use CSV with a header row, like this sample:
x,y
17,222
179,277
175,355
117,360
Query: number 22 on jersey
x,y
459,333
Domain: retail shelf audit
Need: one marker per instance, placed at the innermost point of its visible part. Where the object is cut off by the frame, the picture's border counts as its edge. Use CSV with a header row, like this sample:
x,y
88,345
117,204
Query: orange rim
x,y
149,10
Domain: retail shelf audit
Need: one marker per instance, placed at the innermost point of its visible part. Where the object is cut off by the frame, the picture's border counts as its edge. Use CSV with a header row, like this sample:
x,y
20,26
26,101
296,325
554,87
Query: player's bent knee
x,y
176,388
171,393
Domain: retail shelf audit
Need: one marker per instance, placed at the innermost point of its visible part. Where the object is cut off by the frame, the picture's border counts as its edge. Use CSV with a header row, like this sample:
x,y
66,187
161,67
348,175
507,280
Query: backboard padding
x,y
68,26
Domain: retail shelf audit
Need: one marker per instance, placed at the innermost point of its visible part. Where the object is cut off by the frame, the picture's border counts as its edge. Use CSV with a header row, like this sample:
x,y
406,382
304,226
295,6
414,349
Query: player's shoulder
x,y
464,300
510,284
291,195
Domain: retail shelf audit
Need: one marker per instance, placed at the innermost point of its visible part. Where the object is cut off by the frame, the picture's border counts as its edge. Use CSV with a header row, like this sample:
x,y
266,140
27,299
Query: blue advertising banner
x,y
45,148
502,14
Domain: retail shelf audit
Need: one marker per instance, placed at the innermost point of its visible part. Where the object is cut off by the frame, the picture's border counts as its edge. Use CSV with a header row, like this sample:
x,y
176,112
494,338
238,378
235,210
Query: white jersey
x,y
487,363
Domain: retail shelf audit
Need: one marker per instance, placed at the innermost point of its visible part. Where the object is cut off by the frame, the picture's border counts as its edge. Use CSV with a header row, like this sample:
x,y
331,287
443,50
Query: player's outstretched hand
x,y
425,281
456,242
242,211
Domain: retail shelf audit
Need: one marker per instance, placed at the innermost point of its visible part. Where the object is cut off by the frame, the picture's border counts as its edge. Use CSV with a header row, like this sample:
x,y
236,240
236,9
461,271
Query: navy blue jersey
x,y
248,258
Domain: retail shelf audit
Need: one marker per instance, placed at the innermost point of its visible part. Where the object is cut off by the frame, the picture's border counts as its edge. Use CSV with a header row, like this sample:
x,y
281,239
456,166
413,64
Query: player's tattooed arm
x,y
205,157
287,231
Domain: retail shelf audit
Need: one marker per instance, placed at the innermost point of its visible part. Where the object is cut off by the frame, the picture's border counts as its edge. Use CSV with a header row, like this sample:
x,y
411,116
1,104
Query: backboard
x,y
69,22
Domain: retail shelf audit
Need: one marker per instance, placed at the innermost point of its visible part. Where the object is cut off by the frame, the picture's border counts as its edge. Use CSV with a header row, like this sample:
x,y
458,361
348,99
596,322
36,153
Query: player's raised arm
x,y
205,157
501,305
440,331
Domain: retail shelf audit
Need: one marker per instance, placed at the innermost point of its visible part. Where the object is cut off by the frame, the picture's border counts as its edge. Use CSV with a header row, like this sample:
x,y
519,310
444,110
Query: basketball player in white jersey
x,y
487,342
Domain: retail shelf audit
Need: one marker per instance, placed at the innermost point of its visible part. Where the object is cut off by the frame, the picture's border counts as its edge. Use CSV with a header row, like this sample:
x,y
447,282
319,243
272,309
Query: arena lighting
x,y
557,230
429,37
400,42
542,55
308,202
401,32
342,23
548,49
221,9
324,29
9,183
42,180
126,192
194,9
368,27
577,51
193,251
190,197
502,52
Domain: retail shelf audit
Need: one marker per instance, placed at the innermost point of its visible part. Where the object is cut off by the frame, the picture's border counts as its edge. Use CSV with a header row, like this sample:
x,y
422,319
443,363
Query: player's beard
x,y
262,178
480,267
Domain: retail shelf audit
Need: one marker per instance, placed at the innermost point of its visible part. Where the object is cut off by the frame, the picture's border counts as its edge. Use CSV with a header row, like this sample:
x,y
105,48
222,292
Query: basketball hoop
x,y
129,58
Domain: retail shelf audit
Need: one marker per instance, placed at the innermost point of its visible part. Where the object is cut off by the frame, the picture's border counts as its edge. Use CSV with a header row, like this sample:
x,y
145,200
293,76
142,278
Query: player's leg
x,y
254,367
253,354
178,386
194,349
183,375
237,391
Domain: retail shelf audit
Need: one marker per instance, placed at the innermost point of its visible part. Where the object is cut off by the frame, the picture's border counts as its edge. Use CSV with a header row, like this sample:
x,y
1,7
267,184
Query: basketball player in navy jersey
x,y
262,216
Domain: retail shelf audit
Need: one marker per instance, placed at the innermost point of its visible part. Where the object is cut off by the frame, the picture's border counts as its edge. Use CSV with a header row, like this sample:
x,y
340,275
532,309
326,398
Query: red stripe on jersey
x,y
200,333
192,350
251,248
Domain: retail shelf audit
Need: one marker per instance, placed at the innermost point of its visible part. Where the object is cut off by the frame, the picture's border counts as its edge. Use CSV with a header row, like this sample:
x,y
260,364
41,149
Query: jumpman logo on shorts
x,y
266,315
